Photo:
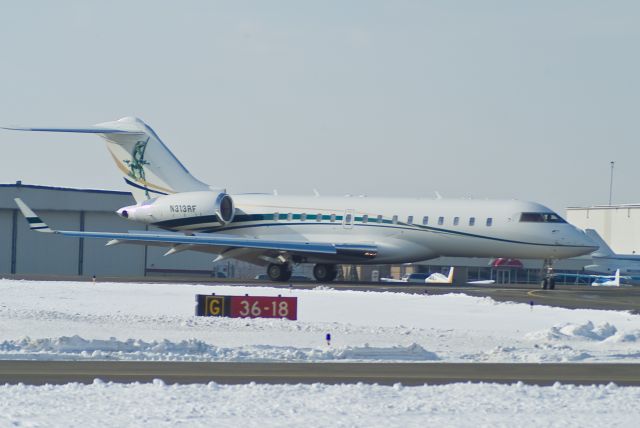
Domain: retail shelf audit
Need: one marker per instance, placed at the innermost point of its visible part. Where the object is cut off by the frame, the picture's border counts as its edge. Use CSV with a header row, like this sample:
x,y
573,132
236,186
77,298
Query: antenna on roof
x,y
438,195
275,192
315,192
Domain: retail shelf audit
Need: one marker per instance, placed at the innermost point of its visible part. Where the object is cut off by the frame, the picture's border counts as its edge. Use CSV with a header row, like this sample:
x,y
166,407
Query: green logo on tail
x,y
137,163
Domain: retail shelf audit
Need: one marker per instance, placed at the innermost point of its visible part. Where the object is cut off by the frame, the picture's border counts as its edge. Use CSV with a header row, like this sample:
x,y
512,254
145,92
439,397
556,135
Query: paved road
x,y
57,372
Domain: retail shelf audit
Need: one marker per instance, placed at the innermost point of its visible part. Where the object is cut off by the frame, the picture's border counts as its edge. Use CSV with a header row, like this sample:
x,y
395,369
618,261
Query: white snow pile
x,y
585,331
196,350
318,405
74,320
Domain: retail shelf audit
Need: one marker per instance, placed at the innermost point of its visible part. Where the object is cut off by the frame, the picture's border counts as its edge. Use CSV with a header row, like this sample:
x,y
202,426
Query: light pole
x,y
611,182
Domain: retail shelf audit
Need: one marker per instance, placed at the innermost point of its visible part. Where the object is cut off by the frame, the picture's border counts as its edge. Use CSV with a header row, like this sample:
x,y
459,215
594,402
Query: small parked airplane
x,y
419,277
607,281
282,231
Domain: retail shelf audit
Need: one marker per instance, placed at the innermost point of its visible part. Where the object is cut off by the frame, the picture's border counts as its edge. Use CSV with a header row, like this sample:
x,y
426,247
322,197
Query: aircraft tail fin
x,y
450,276
604,250
147,165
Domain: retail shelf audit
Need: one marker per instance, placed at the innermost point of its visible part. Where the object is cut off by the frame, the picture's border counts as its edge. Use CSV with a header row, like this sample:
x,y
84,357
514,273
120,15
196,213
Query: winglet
x,y
35,223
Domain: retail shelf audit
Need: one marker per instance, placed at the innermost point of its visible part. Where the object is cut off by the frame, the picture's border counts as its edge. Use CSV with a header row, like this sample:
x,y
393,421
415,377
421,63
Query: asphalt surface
x,y
59,372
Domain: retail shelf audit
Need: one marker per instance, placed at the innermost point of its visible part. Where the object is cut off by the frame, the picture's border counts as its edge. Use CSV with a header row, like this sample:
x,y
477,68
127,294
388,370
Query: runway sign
x,y
247,306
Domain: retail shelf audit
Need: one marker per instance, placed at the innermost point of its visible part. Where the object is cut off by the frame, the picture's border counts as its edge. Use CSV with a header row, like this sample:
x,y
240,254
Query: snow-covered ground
x,y
468,405
80,320
72,320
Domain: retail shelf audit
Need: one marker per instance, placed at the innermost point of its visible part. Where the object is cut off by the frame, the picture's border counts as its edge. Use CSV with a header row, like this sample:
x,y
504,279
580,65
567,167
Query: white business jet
x,y
279,232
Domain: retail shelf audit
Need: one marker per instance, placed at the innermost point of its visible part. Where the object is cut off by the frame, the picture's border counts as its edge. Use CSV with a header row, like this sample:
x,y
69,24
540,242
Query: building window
x,y
290,216
303,217
365,218
319,217
440,221
332,219
379,219
410,219
489,222
425,220
456,221
394,219
472,221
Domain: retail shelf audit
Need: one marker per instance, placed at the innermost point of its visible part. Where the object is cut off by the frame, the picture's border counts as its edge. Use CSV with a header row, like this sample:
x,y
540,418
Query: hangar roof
x,y
63,198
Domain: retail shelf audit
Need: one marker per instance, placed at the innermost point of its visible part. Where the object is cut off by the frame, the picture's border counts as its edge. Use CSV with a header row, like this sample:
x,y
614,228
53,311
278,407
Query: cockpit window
x,y
541,218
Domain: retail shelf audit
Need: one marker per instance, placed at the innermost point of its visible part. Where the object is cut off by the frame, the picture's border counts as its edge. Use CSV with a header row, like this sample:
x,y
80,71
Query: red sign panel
x,y
264,307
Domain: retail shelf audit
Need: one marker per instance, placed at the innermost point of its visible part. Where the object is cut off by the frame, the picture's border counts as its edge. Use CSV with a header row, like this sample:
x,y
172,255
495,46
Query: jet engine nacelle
x,y
214,207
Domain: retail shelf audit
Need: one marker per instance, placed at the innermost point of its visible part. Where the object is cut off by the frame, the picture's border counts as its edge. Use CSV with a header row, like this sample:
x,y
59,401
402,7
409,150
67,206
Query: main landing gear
x,y
325,273
548,280
279,272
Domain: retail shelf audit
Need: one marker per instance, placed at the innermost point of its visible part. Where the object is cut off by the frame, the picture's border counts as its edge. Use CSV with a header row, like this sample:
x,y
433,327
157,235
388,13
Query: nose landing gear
x,y
548,280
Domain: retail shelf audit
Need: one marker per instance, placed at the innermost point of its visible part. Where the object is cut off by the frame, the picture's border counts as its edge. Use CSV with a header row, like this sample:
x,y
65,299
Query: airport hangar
x,y
25,253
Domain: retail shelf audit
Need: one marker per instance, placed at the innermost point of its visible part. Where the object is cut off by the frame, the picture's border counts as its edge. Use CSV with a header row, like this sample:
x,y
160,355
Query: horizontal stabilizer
x,y
90,130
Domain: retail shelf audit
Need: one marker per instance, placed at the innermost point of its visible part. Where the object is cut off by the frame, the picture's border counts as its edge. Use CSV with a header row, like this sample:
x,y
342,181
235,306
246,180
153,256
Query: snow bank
x,y
317,405
138,321
78,348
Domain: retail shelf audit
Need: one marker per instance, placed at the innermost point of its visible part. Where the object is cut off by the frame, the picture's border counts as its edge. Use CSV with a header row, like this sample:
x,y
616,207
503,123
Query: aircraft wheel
x,y
279,272
552,283
544,284
324,273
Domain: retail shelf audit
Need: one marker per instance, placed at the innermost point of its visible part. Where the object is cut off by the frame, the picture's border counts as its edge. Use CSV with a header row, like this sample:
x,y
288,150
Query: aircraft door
x,y
347,219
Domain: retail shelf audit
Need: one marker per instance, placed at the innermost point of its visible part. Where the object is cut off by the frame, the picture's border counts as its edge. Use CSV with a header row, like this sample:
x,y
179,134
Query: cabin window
x,y
410,219
379,219
319,217
440,221
489,222
303,217
365,218
394,219
425,220
456,221
332,218
290,216
472,221
276,216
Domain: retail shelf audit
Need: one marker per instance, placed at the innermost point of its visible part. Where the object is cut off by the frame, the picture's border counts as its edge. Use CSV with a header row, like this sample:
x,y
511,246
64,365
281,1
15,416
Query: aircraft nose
x,y
582,240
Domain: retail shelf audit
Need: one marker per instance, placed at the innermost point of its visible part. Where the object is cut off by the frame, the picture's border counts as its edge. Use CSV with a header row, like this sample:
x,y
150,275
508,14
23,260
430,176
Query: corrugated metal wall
x,y
619,225
23,251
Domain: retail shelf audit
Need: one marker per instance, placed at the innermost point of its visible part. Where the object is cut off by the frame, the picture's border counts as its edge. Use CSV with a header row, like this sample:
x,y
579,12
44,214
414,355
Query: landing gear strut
x,y
325,273
548,280
279,272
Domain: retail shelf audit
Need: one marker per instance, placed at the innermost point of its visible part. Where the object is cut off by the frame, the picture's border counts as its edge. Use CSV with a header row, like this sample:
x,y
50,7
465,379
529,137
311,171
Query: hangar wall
x,y
619,225
25,252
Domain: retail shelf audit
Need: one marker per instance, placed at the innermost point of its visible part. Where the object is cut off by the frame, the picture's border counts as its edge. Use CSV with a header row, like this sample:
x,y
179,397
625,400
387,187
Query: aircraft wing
x,y
220,243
